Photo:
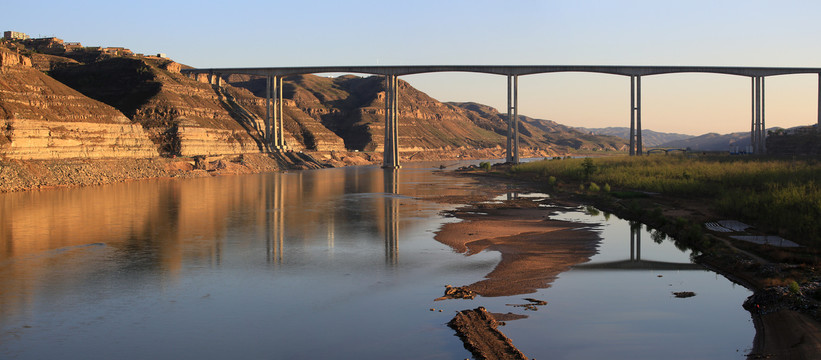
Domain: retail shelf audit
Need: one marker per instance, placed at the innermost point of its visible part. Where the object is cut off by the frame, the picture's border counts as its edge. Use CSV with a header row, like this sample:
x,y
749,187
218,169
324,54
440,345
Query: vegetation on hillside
x,y
782,195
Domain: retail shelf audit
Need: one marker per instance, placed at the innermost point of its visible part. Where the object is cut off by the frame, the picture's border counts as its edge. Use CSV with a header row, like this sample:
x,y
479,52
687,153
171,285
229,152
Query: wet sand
x,y
534,249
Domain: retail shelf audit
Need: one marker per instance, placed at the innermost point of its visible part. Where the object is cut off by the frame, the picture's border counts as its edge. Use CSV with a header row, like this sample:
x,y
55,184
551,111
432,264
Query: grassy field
x,y
782,195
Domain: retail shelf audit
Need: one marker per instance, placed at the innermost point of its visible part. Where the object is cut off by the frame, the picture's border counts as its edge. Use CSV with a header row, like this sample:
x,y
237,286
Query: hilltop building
x,y
116,51
72,46
14,35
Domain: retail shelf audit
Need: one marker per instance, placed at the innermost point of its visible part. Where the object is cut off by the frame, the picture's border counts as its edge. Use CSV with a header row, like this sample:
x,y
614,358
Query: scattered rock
x,y
684,294
457,292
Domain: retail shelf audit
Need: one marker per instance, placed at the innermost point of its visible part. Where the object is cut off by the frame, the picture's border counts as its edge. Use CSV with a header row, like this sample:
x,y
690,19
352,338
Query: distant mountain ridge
x,y
711,142
648,137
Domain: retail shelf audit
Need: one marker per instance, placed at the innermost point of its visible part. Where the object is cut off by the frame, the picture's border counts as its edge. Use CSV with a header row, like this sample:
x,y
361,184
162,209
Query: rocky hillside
x,y
40,118
183,116
535,133
353,109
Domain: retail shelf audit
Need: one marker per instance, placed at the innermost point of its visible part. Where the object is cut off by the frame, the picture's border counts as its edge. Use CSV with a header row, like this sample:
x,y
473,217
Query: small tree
x,y
485,165
588,167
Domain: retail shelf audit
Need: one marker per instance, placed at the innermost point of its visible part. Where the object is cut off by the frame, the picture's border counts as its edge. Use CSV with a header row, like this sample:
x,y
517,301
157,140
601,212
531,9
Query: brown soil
x,y
479,331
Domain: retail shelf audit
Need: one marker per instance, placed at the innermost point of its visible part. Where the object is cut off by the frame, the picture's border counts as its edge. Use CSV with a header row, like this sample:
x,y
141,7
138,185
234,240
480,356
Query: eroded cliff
x,y
40,118
183,116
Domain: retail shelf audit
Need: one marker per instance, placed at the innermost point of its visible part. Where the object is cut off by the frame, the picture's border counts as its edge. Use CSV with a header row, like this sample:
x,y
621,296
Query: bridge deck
x,y
510,70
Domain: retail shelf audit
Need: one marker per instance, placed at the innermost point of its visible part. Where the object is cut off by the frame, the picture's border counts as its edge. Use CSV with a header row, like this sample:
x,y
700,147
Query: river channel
x,y
334,263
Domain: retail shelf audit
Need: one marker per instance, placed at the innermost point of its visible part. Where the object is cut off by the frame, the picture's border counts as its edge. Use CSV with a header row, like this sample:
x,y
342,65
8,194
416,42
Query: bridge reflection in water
x,y
279,206
635,262
391,209
274,195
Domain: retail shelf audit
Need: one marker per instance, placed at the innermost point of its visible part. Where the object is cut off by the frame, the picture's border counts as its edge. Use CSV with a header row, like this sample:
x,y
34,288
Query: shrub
x,y
795,289
606,187
594,187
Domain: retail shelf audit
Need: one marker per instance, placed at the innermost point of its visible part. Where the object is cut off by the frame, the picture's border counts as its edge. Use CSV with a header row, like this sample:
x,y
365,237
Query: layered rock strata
x,y
183,116
40,118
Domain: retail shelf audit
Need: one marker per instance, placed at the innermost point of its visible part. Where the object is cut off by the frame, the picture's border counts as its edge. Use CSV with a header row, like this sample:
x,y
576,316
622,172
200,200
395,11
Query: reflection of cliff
x,y
54,242
135,227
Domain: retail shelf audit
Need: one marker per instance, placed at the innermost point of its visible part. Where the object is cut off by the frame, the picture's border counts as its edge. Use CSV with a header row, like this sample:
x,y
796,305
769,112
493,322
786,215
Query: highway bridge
x,y
274,77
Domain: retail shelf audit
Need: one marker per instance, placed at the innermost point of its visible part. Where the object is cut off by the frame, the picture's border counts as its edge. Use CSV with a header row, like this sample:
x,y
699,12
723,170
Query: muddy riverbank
x,y
785,329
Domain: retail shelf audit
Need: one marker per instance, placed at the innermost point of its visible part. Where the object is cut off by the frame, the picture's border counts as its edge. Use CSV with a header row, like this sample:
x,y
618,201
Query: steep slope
x,y
353,108
649,138
40,118
183,116
310,131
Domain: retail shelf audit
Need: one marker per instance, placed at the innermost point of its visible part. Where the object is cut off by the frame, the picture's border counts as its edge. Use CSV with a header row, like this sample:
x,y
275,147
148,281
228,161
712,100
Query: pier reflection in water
x,y
288,265
391,214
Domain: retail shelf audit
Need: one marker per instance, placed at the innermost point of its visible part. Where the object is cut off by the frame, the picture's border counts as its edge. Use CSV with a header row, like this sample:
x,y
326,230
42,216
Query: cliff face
x,y
353,109
306,128
40,118
183,116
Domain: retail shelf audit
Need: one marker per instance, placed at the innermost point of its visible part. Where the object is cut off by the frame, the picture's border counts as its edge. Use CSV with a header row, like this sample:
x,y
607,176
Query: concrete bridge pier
x,y
512,149
758,128
636,147
215,79
391,158
273,114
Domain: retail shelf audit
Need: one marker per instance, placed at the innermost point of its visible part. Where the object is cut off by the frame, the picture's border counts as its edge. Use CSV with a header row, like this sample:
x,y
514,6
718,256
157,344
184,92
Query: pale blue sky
x,y
294,33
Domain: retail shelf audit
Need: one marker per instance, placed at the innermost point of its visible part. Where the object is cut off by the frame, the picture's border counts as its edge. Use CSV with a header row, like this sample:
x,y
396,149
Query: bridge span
x,y
274,75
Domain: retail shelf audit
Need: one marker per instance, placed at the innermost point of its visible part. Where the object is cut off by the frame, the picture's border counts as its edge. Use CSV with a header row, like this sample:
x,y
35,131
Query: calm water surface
x,y
336,263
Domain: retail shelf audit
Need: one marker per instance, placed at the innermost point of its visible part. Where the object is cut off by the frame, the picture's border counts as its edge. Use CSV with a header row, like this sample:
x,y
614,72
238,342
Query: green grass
x,y
782,195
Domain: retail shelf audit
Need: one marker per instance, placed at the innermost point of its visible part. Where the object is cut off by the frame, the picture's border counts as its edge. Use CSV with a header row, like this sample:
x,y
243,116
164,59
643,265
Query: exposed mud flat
x,y
479,331
534,248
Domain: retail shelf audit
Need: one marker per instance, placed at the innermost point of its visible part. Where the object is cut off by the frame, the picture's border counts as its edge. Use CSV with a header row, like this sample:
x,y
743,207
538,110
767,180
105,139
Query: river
x,y
334,263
